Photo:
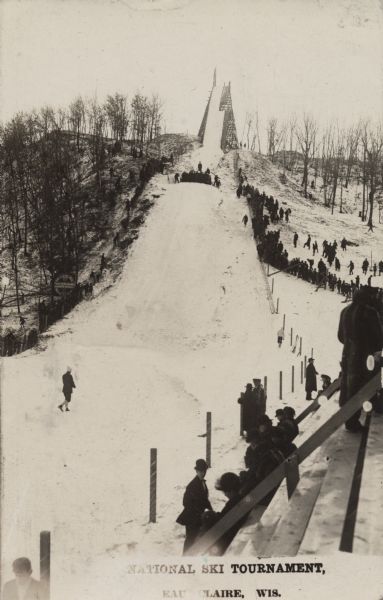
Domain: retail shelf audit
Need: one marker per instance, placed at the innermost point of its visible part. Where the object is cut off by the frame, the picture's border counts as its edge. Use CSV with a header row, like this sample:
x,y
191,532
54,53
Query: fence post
x,y
305,367
284,322
312,352
280,385
240,420
301,371
291,336
265,385
153,486
277,309
208,438
45,558
268,269
292,378
300,346
272,285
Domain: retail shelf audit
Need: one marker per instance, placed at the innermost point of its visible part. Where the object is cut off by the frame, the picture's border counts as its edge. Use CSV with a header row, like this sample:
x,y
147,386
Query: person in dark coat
x,y
68,386
295,239
195,501
288,424
268,457
260,397
249,409
360,332
229,484
24,586
311,379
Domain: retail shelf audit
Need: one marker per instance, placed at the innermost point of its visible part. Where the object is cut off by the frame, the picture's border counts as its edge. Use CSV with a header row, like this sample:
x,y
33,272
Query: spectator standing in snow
x,y
68,386
24,586
311,379
260,398
245,220
307,242
361,334
365,264
351,268
195,502
200,167
280,336
295,239
102,263
249,409
315,247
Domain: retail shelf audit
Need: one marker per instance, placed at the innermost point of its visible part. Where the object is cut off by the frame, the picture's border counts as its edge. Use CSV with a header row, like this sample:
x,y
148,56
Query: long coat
x,y
195,501
68,383
311,378
361,334
250,410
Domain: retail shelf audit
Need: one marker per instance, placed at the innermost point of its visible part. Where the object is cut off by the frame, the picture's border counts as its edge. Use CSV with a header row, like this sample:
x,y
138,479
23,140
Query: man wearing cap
x,y
195,501
311,379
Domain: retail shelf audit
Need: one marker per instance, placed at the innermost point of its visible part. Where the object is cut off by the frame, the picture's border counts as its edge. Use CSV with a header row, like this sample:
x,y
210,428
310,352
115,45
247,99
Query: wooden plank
x,y
262,533
291,528
368,537
314,405
244,535
324,530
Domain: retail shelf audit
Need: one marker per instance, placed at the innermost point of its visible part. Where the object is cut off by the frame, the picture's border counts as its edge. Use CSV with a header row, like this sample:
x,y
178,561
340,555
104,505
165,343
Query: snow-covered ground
x,y
185,327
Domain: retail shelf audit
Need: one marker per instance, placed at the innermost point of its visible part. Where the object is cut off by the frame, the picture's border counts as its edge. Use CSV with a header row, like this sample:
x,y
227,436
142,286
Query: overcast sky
x,y
281,56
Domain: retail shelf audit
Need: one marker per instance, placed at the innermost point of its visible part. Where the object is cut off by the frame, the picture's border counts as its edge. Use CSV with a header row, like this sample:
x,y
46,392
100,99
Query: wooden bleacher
x,y
330,494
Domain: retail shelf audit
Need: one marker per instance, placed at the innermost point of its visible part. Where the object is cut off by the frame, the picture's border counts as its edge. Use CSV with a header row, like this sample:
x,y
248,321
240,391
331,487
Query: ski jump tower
x,y
223,104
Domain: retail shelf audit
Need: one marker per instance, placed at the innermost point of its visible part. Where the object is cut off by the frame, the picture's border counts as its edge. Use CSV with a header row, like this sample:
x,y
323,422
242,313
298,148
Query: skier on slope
x,y
68,385
245,220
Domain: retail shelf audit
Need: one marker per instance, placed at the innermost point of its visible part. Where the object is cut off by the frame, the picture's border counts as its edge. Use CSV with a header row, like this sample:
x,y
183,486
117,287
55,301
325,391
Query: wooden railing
x,y
289,469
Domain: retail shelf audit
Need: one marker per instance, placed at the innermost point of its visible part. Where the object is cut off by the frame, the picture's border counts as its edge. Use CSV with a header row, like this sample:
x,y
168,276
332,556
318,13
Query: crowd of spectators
x,y
266,211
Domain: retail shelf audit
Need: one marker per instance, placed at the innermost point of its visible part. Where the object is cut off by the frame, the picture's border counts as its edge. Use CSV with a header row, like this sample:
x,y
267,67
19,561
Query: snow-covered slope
x,y
186,326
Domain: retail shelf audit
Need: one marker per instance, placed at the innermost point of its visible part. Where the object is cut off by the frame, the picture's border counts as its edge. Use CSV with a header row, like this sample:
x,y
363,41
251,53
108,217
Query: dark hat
x,y
248,386
278,412
228,482
201,465
311,360
289,411
256,380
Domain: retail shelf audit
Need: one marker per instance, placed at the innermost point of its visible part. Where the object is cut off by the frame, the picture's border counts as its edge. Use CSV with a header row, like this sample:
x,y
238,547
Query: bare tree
x,y
116,109
306,133
372,141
